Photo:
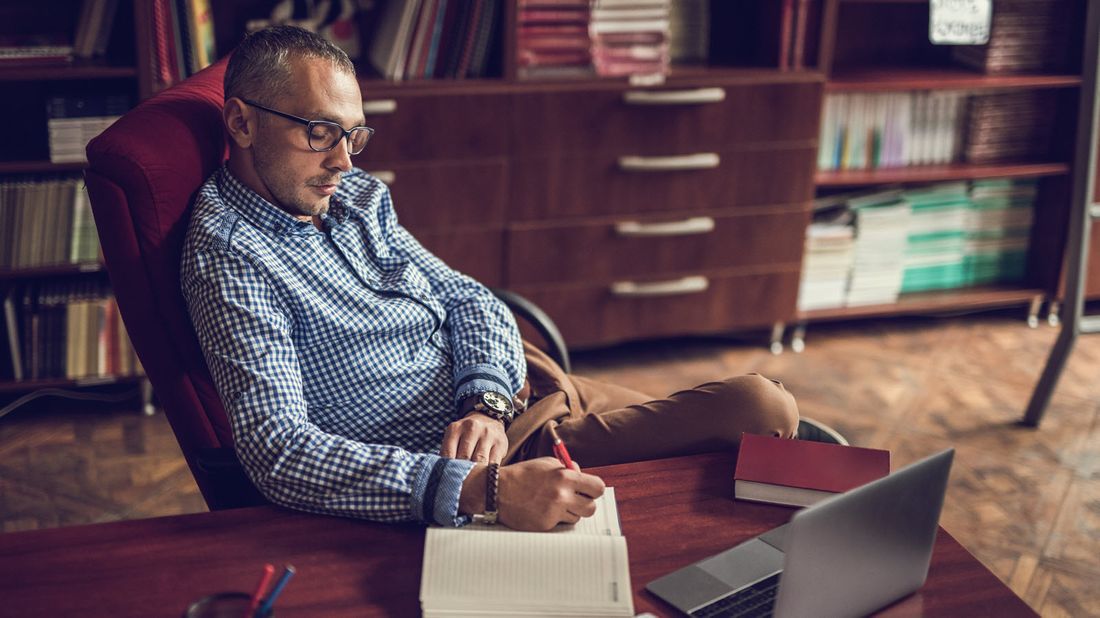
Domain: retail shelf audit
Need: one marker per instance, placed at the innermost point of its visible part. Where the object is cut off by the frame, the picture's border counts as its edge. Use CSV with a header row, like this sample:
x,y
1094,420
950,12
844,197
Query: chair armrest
x,y
227,484
537,318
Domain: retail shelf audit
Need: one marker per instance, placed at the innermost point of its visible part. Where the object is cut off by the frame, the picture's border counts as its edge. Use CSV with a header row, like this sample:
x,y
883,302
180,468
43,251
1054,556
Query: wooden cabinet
x,y
602,199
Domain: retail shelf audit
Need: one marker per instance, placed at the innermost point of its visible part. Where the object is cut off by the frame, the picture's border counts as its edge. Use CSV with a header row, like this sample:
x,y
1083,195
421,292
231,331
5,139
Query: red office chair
x,y
142,174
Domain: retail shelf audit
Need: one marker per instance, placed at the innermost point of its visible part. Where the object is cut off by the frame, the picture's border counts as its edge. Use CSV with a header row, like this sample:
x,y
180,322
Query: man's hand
x,y
535,495
477,438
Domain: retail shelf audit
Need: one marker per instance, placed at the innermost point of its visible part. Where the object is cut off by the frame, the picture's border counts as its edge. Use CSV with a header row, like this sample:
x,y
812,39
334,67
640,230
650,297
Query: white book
x,y
580,570
826,147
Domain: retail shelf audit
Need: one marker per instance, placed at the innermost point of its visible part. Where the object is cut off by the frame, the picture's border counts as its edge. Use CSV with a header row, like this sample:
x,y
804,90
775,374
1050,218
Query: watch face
x,y
497,402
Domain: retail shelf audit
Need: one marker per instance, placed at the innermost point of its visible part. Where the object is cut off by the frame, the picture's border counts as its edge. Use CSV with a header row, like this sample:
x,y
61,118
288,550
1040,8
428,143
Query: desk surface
x,y
673,512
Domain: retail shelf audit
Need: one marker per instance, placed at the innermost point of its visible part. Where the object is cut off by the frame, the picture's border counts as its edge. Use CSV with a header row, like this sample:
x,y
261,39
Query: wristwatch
x,y
496,405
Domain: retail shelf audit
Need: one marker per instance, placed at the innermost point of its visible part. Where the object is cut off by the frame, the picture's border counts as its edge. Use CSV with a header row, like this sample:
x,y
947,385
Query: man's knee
x,y
765,406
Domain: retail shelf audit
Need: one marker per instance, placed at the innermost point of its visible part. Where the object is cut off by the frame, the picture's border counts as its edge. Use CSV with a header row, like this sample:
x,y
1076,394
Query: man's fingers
x,y
496,454
571,518
466,445
450,443
590,485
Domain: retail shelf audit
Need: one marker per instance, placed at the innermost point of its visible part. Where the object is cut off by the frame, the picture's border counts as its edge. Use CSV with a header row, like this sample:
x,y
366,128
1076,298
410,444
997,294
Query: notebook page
x,y
558,573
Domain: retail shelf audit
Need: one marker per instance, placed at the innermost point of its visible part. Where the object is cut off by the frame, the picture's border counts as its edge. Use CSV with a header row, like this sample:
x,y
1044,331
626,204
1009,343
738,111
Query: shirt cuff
x,y
481,379
436,490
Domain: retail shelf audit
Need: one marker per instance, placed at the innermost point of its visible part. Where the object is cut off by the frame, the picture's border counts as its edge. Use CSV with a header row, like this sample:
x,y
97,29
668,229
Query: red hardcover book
x,y
800,472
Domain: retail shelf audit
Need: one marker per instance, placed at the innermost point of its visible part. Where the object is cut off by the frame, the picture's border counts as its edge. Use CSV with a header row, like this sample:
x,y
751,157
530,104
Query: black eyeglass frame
x,y
346,133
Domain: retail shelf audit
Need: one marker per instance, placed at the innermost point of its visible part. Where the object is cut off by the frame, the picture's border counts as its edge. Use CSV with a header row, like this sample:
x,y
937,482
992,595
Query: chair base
x,y
816,431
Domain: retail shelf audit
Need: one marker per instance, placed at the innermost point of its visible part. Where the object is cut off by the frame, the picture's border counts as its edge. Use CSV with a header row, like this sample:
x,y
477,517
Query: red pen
x,y
265,579
561,452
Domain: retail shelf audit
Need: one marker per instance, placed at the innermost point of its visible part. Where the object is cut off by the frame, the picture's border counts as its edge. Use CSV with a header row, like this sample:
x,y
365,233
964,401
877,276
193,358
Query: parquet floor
x,y
1025,502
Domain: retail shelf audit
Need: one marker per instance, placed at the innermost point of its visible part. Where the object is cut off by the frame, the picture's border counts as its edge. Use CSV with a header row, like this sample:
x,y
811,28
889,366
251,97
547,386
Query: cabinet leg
x,y
1054,315
776,345
798,338
1033,311
147,407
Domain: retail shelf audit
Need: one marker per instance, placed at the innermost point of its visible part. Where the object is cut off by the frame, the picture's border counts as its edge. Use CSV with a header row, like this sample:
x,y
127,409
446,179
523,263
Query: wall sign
x,y
959,22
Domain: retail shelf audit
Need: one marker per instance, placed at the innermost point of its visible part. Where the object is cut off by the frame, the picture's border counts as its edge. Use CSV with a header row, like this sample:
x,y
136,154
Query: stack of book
x,y
183,40
48,221
998,229
827,263
1010,126
867,131
73,120
689,30
64,329
552,39
1025,35
630,37
882,227
433,39
936,241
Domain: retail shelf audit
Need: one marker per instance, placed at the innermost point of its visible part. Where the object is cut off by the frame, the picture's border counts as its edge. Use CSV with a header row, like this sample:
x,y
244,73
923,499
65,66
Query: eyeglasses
x,y
325,135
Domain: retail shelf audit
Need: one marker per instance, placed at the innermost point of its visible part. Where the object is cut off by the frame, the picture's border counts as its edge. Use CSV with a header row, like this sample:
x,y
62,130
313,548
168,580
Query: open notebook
x,y
579,570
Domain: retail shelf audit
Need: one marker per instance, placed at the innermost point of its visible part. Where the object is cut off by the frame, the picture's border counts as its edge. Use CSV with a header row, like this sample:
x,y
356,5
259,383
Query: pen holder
x,y
223,605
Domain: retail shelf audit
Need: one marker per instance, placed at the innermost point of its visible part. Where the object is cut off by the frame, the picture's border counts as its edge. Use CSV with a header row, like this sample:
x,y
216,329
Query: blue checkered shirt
x,y
340,354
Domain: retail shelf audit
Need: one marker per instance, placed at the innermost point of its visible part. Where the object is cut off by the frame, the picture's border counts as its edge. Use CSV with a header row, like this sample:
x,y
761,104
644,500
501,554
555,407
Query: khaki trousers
x,y
606,424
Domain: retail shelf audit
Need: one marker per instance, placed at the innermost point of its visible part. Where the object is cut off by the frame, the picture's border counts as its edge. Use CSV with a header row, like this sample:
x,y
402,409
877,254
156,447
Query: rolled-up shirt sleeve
x,y
246,338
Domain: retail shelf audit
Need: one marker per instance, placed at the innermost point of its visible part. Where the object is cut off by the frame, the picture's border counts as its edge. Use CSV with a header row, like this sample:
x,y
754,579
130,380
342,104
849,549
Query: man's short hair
x,y
259,68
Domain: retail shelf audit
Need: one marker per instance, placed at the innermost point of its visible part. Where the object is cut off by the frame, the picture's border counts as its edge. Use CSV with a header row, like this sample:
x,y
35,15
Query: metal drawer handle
x,y
387,177
674,97
699,161
685,285
694,225
379,107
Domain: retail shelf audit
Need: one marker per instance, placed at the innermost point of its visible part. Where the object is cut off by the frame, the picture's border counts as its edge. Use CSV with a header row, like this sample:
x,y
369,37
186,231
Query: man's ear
x,y
240,122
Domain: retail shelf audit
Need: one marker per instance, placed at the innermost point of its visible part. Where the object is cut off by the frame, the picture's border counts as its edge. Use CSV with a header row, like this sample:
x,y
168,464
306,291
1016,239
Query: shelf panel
x,y
30,72
26,386
933,173
943,78
967,299
50,271
37,167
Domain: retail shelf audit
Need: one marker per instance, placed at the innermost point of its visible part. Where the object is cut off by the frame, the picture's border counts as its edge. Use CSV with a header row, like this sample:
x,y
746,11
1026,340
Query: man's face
x,y
296,178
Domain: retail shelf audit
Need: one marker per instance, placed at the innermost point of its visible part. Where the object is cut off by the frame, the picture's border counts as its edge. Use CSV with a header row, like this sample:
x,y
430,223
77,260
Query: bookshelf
x,y
38,263
879,48
541,183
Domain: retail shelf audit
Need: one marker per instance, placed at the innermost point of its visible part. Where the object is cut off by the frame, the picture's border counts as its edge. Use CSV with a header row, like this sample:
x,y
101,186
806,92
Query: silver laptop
x,y
848,555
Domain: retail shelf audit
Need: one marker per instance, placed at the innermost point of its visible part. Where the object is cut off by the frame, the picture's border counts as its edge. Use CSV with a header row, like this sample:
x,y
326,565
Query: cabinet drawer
x,y
602,120
631,247
438,195
591,315
478,253
586,185
415,126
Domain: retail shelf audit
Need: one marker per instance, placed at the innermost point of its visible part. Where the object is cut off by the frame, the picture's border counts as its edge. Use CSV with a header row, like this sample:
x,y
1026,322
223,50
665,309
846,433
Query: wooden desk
x,y
673,512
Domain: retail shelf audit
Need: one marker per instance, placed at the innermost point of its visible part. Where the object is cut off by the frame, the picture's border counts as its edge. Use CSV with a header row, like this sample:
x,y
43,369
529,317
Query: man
x,y
362,376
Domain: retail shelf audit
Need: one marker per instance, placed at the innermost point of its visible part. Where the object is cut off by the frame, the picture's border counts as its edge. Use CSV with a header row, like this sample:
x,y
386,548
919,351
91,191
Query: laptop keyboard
x,y
756,600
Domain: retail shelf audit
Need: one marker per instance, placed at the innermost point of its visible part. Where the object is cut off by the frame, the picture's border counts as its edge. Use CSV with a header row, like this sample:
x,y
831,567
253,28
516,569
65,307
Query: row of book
x,y
47,221
868,248
431,39
90,39
869,131
65,329
74,119
182,39
1024,35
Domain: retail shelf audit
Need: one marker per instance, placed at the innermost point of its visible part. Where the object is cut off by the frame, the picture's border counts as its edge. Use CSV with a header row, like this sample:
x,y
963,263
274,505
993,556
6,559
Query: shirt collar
x,y
265,215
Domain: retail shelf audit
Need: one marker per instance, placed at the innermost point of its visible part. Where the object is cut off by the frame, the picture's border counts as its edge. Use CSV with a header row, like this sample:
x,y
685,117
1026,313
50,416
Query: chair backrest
x,y
142,175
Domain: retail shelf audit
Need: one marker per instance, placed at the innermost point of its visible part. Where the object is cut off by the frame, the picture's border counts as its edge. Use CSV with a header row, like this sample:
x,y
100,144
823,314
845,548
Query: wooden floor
x,y
1025,502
